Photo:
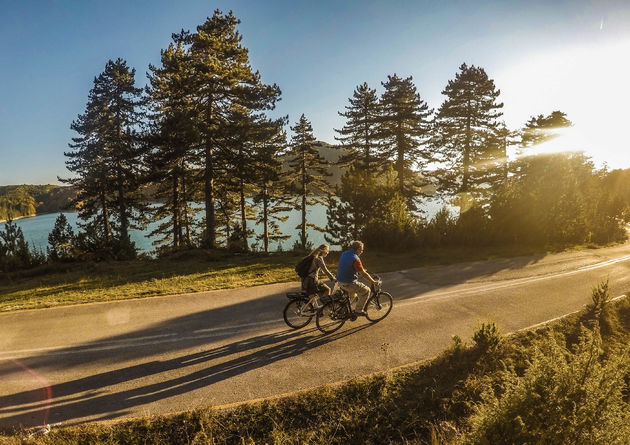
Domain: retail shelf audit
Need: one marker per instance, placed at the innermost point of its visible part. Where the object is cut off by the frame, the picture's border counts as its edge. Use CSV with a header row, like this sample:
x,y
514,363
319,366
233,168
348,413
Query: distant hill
x,y
331,153
17,201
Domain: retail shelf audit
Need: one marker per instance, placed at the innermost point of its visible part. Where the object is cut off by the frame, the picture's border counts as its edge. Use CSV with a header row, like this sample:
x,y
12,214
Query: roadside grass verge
x,y
202,270
199,270
569,378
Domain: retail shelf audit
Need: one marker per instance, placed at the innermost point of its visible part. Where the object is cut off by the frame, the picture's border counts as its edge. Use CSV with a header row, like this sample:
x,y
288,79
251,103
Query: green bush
x,y
487,337
566,396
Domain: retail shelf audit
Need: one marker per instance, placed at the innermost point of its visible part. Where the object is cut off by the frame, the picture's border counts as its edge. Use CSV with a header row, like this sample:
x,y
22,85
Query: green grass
x,y
196,271
431,402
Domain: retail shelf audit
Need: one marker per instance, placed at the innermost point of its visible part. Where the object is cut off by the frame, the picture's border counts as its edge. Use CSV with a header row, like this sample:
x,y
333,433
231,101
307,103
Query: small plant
x,y
487,337
600,297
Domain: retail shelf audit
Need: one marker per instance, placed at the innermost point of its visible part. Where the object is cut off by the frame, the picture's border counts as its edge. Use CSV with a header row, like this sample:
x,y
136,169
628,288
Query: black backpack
x,y
304,266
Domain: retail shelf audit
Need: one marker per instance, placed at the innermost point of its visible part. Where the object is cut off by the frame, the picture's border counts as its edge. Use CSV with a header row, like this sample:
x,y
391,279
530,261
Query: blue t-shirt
x,y
345,269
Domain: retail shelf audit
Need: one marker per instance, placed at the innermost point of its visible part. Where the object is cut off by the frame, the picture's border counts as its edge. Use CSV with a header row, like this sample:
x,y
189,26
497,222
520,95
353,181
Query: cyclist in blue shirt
x,y
348,271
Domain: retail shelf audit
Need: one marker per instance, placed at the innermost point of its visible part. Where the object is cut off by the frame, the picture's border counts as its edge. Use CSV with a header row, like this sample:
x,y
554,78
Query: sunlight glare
x,y
589,84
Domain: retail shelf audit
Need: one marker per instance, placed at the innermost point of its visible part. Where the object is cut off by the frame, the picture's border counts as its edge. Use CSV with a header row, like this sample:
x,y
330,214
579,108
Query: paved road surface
x,y
122,359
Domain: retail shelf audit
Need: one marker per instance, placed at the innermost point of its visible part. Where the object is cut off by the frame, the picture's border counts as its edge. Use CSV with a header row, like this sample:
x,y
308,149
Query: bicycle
x,y
338,309
299,311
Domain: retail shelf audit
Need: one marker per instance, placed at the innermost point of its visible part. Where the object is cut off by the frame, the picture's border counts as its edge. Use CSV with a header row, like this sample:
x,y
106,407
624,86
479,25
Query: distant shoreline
x,y
19,217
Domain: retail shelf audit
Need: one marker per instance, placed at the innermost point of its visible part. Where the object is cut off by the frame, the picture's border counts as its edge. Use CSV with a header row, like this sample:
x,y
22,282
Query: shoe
x,y
359,313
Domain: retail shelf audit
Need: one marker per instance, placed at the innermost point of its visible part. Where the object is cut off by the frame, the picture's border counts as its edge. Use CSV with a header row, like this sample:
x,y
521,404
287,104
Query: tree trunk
x,y
303,228
367,142
210,232
176,231
243,216
400,161
265,220
122,206
466,157
185,216
106,227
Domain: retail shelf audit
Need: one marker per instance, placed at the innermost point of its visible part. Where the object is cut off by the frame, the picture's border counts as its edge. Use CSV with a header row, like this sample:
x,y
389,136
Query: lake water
x,y
37,228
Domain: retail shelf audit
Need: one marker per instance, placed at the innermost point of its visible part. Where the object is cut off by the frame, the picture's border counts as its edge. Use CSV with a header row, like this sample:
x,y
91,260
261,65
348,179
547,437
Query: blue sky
x,y
543,55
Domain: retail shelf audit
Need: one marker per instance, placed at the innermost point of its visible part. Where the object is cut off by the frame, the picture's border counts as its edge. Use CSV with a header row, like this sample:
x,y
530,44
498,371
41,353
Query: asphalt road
x,y
166,354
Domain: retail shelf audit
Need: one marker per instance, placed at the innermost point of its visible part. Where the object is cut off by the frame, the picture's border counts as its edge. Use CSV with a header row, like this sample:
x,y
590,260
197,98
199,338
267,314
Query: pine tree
x,y
307,174
468,134
93,180
538,130
173,138
359,136
227,210
339,222
404,130
271,195
60,240
222,77
542,128
239,151
14,252
107,156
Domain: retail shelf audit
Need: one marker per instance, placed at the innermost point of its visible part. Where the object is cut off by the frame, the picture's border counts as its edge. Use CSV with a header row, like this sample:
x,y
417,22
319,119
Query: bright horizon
x,y
568,56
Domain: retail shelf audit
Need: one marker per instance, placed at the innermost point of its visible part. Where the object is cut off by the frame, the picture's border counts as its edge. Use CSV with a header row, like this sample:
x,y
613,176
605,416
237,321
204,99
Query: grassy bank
x,y
562,383
194,271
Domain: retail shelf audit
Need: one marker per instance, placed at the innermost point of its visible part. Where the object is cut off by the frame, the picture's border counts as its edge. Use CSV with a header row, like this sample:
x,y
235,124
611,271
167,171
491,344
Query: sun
x,y
589,83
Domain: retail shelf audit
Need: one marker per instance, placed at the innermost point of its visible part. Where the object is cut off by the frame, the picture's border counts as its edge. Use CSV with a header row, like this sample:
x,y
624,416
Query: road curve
x,y
164,354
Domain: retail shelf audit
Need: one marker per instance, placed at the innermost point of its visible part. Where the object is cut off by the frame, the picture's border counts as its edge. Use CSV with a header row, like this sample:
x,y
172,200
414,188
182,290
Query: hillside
x,y
330,153
17,201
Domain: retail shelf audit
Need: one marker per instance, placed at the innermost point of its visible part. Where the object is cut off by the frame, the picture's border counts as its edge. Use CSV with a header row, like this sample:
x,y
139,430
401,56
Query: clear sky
x,y
544,55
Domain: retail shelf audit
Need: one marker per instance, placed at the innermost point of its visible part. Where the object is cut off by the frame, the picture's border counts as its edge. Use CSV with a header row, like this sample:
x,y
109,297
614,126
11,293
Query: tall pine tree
x,y
359,135
108,155
404,130
173,139
469,136
222,77
239,150
307,174
270,188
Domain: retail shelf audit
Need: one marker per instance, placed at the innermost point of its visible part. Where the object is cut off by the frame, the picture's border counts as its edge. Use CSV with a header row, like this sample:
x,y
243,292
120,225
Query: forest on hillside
x,y
17,201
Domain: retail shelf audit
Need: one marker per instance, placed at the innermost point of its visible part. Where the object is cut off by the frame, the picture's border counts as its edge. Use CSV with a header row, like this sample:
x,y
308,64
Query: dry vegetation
x,y
564,383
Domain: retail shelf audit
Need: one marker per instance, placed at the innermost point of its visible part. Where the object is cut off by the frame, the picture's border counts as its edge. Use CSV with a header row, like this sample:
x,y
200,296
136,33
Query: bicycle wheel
x,y
379,307
331,317
293,315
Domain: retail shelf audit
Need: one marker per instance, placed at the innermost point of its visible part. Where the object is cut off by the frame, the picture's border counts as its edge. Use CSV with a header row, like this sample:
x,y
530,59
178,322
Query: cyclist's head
x,y
321,250
357,246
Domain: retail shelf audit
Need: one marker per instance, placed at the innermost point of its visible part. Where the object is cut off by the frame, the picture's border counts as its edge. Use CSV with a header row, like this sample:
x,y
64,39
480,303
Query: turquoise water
x,y
37,228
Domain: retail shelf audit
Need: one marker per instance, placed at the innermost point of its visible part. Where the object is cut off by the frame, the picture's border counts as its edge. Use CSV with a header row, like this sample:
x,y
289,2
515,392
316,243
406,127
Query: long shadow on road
x,y
86,397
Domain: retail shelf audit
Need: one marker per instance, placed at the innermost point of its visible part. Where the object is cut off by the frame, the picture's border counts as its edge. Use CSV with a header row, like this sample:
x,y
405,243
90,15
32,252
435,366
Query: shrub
x,y
487,337
565,396
600,312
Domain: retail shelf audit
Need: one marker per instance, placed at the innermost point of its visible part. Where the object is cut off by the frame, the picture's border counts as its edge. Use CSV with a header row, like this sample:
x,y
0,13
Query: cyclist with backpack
x,y
309,269
348,271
